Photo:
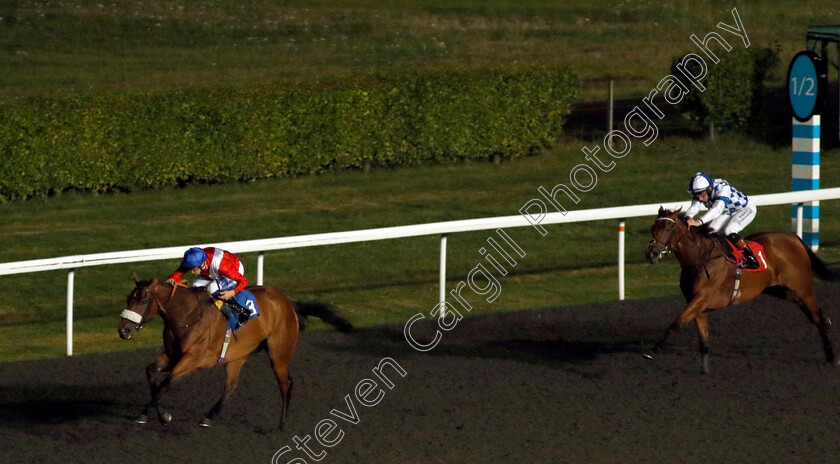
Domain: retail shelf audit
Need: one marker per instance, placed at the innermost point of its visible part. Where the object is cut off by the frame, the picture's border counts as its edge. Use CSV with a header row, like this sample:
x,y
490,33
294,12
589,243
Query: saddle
x,y
733,255
233,312
236,310
236,314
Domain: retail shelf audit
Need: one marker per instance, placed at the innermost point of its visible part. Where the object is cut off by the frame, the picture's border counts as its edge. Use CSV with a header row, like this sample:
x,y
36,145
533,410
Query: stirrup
x,y
750,262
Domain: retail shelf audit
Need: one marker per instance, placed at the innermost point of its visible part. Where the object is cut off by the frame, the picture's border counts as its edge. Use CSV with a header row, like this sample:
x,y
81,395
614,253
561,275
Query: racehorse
x,y
707,280
194,332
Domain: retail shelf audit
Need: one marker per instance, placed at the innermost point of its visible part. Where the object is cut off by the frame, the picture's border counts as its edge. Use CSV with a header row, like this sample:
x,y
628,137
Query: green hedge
x,y
131,141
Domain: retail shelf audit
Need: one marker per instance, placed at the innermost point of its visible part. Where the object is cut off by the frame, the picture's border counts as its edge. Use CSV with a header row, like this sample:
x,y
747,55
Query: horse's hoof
x,y
649,355
165,418
205,422
142,419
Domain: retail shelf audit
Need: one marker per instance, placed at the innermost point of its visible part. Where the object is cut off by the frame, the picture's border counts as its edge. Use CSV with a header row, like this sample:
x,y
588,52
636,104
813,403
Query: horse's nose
x,y
125,333
652,256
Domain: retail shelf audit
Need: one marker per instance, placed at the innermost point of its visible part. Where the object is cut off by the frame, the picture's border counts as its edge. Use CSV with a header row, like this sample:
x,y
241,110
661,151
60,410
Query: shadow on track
x,y
32,406
556,353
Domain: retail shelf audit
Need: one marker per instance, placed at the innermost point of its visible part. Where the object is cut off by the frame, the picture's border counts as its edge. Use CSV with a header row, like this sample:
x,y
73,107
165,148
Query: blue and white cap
x,y
700,183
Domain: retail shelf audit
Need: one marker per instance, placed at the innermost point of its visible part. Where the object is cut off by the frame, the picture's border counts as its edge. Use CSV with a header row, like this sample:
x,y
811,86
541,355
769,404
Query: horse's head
x,y
141,306
665,230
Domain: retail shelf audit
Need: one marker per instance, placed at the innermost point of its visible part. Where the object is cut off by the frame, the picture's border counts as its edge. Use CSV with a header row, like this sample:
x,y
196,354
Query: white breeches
x,y
735,223
214,286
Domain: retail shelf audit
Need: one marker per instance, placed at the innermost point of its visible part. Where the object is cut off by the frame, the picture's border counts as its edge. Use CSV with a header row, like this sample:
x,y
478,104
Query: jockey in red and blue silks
x,y
220,271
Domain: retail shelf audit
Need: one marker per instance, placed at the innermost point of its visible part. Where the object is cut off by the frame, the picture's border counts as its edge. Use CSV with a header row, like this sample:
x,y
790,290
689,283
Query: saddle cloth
x,y
736,256
248,301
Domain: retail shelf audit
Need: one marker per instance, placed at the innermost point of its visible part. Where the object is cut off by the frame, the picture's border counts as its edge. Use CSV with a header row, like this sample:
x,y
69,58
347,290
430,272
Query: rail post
x,y
260,265
70,279
442,275
621,259
799,216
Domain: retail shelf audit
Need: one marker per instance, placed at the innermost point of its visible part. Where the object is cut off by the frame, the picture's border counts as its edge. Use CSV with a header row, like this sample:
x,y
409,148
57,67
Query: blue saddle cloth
x,y
248,301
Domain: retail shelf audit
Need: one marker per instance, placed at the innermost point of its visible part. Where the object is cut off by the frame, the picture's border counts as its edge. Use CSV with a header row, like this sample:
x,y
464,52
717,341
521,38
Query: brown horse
x,y
194,332
707,280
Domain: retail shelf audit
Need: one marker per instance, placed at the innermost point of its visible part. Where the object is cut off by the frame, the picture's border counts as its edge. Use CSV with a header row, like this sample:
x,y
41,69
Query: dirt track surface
x,y
546,386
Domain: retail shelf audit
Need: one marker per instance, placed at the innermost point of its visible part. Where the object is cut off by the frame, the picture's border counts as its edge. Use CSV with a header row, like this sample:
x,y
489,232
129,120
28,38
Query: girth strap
x,y
735,291
224,347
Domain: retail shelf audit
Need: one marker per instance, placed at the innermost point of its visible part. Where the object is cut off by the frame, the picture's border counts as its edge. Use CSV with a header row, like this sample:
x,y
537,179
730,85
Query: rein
x,y
175,286
667,248
163,310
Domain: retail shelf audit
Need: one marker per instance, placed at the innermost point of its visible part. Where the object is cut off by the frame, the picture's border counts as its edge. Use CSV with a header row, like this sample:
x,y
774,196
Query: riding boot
x,y
242,313
749,261
225,309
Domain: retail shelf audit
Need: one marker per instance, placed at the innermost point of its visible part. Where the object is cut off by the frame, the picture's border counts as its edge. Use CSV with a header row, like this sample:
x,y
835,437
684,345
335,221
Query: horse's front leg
x,y
232,370
185,365
161,364
695,307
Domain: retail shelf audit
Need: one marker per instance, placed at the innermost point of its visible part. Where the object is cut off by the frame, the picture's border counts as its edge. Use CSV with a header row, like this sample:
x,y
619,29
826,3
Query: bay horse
x,y
194,332
707,280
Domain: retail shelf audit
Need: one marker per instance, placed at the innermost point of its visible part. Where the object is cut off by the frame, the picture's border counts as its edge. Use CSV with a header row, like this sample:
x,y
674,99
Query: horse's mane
x,y
200,293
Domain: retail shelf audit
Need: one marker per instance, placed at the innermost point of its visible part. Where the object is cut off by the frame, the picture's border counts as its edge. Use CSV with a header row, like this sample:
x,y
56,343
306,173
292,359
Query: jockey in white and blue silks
x,y
730,211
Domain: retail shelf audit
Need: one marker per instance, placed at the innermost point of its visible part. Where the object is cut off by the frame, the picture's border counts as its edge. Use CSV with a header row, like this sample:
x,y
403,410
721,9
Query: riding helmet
x,y
700,183
194,257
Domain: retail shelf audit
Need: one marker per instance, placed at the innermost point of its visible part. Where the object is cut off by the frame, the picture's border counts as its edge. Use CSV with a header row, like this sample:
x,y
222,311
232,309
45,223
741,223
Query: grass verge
x,y
375,282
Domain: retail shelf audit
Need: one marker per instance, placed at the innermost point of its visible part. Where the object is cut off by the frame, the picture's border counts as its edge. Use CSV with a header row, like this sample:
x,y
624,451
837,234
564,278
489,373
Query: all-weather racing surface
x,y
566,384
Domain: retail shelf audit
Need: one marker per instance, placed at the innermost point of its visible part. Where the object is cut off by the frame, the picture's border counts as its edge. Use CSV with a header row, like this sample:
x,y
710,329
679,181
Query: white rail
x,y
71,263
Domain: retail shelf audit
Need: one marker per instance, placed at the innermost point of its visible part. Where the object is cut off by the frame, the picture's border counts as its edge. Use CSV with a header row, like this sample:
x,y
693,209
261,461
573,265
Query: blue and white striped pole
x,y
806,176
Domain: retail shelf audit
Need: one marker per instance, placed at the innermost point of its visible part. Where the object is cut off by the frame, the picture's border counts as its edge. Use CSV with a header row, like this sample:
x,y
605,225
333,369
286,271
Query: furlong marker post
x,y
805,172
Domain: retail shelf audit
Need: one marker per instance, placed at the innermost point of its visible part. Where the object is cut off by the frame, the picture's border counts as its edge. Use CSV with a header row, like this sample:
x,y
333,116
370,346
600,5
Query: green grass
x,y
374,282
91,46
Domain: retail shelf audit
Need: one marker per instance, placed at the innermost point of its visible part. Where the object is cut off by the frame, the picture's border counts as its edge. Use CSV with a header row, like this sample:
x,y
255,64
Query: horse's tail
x,y
818,266
322,311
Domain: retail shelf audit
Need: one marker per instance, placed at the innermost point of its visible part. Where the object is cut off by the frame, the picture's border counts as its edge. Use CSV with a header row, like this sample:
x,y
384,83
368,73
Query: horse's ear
x,y
678,210
136,278
154,282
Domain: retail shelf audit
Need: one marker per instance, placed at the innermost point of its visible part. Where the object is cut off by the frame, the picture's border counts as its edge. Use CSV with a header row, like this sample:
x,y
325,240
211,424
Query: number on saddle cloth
x,y
245,308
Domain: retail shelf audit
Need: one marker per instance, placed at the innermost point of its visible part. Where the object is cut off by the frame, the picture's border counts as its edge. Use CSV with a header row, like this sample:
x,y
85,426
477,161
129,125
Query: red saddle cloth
x,y
757,250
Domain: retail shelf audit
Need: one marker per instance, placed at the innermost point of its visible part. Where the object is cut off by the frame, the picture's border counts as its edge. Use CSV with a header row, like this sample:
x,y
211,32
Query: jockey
x,y
729,211
220,271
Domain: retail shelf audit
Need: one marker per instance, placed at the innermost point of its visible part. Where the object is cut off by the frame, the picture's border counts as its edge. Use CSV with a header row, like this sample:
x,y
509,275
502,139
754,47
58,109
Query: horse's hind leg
x,y
280,354
284,380
703,329
232,370
808,304
162,363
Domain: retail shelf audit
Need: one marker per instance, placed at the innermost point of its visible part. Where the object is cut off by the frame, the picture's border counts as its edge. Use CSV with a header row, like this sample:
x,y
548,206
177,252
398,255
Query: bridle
x,y
666,247
147,297
141,320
